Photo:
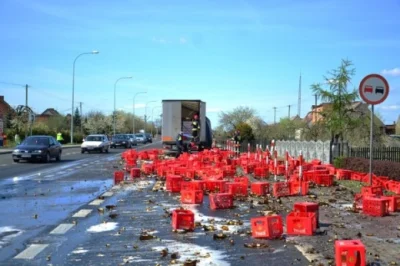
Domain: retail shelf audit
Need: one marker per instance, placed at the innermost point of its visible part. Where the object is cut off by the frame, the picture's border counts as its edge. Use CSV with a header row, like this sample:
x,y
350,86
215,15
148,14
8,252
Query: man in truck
x,y
195,127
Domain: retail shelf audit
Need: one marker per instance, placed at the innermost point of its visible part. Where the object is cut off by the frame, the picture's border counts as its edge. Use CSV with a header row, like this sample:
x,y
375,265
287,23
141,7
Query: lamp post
x,y
73,93
133,111
152,117
115,88
145,114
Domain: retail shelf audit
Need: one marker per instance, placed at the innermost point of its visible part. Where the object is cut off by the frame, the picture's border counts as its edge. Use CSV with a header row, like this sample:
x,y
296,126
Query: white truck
x,y
177,116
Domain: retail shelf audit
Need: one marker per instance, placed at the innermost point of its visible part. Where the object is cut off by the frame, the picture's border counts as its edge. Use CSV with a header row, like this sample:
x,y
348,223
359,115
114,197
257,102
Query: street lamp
x,y
152,117
133,119
115,88
145,114
73,93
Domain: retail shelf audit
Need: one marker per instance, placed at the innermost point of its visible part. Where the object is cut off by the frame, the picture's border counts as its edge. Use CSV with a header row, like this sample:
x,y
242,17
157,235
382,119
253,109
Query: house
x,y
48,113
5,108
315,115
389,129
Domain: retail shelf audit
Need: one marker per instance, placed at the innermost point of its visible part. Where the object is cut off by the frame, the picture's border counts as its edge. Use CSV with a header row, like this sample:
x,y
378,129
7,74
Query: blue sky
x,y
227,53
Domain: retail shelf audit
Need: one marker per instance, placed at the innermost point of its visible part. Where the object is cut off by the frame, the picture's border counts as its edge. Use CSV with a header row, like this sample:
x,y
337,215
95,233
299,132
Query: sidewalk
x,y
10,150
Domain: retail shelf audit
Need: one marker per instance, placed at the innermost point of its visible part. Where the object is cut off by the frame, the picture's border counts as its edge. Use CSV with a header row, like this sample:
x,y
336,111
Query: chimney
x,y
1,98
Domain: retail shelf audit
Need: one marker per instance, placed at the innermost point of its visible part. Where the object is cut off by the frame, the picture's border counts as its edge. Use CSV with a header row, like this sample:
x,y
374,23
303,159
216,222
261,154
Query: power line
x,y
12,84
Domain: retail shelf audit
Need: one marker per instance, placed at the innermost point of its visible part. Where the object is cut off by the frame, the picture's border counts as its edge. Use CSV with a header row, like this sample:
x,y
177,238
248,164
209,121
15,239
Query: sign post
x,y
373,89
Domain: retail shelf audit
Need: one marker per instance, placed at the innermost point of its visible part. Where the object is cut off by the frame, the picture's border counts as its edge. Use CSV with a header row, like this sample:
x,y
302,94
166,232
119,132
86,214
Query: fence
x,y
382,153
310,149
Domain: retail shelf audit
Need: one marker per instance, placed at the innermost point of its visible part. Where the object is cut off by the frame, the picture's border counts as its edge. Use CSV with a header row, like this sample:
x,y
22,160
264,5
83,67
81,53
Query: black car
x,y
149,138
42,148
120,140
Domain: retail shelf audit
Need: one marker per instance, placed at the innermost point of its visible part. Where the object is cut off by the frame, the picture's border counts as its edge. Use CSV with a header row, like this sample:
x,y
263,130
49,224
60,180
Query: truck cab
x,y
177,116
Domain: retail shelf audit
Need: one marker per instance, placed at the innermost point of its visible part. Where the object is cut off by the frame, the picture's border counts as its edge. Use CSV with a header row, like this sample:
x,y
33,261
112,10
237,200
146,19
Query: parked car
x,y
140,138
149,138
96,142
120,140
132,139
42,148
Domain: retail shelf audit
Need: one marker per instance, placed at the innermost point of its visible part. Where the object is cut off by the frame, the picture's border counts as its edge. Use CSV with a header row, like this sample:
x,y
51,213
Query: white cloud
x,y
182,40
390,107
395,72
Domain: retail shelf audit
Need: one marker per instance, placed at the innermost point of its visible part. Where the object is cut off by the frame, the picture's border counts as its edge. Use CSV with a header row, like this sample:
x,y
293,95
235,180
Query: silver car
x,y
132,139
140,138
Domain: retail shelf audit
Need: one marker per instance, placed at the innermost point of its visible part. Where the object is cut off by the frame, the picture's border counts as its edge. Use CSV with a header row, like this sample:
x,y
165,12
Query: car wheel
x,y
107,150
82,151
58,158
16,160
102,150
47,158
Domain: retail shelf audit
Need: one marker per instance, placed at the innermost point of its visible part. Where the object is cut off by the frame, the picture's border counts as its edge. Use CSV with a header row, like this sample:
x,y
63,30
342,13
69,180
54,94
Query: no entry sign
x,y
374,89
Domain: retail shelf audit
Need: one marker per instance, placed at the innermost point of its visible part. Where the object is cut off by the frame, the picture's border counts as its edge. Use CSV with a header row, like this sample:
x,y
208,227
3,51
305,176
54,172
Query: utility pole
x,y
26,95
299,99
289,111
80,112
315,106
275,115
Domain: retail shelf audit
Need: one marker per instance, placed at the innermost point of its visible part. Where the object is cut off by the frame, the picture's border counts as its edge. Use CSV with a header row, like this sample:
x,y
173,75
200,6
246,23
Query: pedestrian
x,y
195,127
179,144
17,139
60,137
236,136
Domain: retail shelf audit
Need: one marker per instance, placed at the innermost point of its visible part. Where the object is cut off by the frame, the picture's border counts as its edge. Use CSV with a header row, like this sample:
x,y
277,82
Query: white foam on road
x,y
9,232
205,255
96,202
139,185
61,229
104,227
31,252
108,194
82,213
80,251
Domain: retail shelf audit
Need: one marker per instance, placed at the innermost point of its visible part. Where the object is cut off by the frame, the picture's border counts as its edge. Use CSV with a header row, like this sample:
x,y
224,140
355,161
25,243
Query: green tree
x,y
77,119
337,116
8,118
246,132
231,120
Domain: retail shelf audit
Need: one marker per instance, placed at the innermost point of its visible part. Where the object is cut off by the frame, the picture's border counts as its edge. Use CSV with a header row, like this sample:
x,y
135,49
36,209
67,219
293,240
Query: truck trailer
x,y
177,116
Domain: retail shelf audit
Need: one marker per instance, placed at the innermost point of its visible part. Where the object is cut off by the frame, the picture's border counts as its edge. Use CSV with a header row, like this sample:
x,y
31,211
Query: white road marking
x,y
61,229
3,165
31,251
47,176
310,257
82,213
108,194
96,202
68,154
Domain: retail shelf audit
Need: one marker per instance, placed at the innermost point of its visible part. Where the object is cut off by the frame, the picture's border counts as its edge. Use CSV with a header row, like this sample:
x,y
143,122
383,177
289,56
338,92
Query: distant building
x,y
5,108
389,129
48,113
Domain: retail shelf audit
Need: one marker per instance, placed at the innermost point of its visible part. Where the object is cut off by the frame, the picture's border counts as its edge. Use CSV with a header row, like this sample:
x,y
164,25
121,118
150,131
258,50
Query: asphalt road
x,y
50,216
34,197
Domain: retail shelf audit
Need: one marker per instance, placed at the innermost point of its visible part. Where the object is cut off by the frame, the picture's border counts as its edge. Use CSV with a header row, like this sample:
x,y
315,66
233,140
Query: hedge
x,y
379,168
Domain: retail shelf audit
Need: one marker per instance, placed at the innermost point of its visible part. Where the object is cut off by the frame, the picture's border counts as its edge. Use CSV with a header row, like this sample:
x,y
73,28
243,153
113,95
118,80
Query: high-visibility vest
x,y
59,136
195,126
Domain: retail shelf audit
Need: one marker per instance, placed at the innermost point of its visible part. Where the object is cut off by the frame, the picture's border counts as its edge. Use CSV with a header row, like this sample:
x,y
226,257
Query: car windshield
x,y
139,135
94,138
120,137
36,141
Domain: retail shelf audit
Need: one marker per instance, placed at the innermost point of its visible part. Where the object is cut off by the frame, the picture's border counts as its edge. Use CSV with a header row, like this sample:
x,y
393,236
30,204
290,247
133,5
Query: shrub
x,y
338,162
379,168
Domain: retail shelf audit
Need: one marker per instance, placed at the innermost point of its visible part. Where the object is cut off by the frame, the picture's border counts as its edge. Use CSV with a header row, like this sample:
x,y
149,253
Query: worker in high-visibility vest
x,y
59,137
179,144
195,127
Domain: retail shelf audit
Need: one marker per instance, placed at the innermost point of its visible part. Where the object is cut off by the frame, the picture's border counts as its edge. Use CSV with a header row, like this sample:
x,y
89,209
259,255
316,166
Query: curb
x,y
8,151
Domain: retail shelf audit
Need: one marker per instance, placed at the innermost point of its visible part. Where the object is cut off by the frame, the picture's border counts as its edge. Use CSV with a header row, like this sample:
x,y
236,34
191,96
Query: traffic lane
x,y
8,168
38,199
101,239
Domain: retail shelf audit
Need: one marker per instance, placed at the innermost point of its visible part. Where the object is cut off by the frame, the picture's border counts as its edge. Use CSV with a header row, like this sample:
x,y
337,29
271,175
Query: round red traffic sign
x,y
374,89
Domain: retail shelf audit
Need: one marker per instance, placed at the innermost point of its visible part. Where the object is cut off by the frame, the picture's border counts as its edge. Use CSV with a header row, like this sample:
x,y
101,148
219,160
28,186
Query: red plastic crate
x,y
308,207
173,183
295,188
261,172
221,201
260,188
375,206
325,180
267,227
242,179
236,188
350,253
301,223
281,189
119,177
372,191
135,172
248,168
215,185
281,170
162,171
357,176
182,219
394,203
147,168
315,162
192,196
190,173
342,174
